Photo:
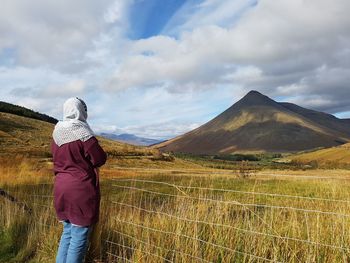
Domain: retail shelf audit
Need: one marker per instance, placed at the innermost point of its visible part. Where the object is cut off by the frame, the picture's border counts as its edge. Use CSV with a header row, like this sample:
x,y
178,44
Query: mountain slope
x,y
31,137
321,118
22,111
339,155
257,123
24,135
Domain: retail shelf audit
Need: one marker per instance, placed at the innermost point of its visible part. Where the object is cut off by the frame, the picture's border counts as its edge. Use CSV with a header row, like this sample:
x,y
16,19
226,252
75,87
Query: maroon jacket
x,y
76,188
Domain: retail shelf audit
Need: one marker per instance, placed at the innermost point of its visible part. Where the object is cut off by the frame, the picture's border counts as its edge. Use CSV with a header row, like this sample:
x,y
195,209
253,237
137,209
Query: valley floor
x,y
183,212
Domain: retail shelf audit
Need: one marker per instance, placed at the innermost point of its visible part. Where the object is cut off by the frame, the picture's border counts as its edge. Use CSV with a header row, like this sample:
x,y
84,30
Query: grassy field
x,y
333,157
169,212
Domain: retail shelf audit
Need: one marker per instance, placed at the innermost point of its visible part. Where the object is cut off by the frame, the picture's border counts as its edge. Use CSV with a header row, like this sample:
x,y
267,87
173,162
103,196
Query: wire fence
x,y
138,249
182,194
120,251
234,191
162,248
245,205
310,242
195,239
233,173
35,203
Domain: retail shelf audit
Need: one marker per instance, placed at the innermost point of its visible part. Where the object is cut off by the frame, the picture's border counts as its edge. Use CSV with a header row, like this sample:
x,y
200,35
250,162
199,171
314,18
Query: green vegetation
x,y
24,112
237,157
253,161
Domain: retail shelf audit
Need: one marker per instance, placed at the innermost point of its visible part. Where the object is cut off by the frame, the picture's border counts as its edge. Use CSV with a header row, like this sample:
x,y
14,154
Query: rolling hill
x,y
336,155
257,123
22,136
31,137
22,111
26,132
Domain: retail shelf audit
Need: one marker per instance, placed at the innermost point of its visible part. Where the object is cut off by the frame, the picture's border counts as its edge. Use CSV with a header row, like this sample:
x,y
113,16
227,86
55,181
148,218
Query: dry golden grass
x,y
31,138
336,155
21,135
182,225
21,170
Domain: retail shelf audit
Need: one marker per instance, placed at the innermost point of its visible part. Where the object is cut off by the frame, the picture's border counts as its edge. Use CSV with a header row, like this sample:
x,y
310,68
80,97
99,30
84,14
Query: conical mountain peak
x,y
257,123
254,93
255,98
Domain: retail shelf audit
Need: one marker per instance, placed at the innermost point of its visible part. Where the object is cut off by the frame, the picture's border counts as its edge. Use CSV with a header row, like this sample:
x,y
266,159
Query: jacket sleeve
x,y
94,152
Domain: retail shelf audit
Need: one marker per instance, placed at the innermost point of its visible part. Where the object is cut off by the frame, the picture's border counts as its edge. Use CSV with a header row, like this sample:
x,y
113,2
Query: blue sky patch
x,y
148,17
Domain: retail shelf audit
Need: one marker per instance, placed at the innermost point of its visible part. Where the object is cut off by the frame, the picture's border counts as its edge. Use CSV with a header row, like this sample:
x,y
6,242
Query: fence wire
x,y
246,205
197,239
236,191
310,242
138,249
162,248
213,224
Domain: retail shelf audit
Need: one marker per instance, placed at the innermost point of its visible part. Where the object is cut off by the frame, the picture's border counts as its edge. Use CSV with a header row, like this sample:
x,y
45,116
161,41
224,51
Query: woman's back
x,y
77,156
76,188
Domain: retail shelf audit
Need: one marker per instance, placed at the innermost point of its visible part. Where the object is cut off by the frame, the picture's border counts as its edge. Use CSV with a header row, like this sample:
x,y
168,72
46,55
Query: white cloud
x,y
244,74
196,14
117,12
56,33
324,89
73,87
273,47
209,55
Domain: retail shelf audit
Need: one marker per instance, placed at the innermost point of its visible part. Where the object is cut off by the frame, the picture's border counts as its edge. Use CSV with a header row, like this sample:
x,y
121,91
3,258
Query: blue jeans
x,y
73,244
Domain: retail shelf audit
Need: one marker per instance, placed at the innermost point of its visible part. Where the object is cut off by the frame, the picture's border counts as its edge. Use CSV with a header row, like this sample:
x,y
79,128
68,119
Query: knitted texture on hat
x,y
74,126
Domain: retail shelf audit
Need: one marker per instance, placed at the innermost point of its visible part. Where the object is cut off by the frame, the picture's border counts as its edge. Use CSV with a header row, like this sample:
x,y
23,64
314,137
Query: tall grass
x,y
174,224
183,229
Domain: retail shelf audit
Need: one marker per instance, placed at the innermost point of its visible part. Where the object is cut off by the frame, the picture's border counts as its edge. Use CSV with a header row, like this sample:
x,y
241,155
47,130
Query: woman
x,y
76,157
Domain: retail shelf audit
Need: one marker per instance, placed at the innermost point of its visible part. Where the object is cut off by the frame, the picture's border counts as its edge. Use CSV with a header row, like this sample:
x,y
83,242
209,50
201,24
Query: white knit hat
x,y
74,126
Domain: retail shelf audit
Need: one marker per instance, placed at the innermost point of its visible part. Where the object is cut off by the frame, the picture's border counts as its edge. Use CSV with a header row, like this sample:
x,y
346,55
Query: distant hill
x,y
131,139
30,137
22,111
257,123
338,155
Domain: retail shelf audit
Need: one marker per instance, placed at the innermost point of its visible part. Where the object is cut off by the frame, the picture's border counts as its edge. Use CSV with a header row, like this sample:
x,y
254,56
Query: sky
x,y
159,68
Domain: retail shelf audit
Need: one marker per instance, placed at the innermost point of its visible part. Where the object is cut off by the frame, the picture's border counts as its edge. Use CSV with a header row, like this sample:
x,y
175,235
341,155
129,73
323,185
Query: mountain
x,y
257,123
22,111
131,139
